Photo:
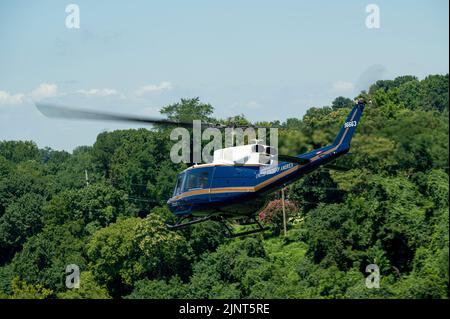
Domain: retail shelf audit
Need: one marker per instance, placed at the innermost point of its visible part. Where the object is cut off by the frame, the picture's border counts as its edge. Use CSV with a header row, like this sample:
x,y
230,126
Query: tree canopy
x,y
389,208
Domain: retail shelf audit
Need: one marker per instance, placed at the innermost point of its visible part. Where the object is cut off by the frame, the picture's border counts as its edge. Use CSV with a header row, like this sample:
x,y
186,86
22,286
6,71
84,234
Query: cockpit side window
x,y
179,185
197,180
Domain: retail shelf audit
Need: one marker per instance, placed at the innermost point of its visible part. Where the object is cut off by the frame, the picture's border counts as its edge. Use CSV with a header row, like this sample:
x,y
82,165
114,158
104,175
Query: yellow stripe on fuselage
x,y
246,189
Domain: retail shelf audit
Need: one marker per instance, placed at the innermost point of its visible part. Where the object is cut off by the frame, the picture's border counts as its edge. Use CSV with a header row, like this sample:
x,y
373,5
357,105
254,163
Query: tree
x,y
293,123
206,237
6,277
387,85
434,93
22,290
132,248
19,151
409,94
103,149
21,220
188,110
70,173
89,289
389,207
45,256
24,178
218,275
162,188
96,205
342,102
166,252
114,257
273,213
174,288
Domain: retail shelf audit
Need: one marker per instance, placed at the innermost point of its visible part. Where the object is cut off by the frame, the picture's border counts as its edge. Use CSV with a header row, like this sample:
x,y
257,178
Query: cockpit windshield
x,y
197,180
179,185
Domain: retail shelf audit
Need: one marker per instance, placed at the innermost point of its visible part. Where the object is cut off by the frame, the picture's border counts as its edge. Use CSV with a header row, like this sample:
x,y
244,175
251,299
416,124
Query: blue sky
x,y
266,59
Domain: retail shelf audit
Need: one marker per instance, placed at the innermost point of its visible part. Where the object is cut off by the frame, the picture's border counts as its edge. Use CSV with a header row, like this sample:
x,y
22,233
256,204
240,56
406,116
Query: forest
x,y
389,208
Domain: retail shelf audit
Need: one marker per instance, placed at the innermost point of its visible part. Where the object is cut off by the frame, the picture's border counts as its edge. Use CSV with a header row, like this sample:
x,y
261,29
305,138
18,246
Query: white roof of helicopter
x,y
243,154
240,155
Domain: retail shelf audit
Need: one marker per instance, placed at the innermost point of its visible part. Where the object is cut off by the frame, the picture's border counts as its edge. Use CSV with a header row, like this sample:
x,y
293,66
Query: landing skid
x,y
232,234
185,221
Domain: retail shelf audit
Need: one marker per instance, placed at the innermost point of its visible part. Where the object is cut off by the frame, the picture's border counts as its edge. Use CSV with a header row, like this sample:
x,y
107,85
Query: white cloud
x,y
98,92
47,90
342,86
44,90
8,98
154,88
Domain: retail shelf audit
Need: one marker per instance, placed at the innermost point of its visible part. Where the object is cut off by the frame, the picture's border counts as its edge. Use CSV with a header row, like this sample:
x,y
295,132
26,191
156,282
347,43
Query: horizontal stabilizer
x,y
293,159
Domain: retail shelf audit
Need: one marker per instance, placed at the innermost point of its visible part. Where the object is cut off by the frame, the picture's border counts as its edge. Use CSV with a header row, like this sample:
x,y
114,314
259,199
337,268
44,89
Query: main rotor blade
x,y
58,111
65,112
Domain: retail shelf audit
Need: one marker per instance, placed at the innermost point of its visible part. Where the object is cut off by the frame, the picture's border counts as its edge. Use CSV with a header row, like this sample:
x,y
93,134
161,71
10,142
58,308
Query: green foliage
x,y
70,173
218,274
114,256
273,214
159,289
23,178
429,94
22,290
389,85
188,110
19,151
341,102
206,237
162,188
21,220
132,248
390,207
96,206
89,289
434,95
276,277
136,162
6,277
237,120
44,256
166,253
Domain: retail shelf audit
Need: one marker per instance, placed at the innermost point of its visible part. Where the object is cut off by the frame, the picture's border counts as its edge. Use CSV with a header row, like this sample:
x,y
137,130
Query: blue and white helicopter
x,y
230,188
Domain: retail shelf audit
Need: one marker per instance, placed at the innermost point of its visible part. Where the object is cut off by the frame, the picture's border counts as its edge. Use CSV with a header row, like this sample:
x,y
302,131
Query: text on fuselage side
x,y
274,169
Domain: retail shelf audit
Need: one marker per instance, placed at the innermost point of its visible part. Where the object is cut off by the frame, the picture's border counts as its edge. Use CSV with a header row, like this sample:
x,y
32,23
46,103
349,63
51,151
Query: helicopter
x,y
236,184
